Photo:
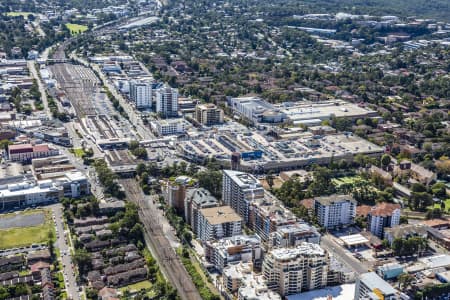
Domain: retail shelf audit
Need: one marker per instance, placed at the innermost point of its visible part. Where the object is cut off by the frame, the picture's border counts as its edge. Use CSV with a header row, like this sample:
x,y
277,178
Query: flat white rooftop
x,y
354,239
340,292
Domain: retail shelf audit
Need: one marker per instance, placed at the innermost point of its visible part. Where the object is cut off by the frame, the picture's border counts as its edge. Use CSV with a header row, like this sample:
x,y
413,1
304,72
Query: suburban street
x,y
62,243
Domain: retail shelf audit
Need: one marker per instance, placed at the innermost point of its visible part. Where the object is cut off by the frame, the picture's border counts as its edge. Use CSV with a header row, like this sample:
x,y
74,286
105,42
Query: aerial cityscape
x,y
224,149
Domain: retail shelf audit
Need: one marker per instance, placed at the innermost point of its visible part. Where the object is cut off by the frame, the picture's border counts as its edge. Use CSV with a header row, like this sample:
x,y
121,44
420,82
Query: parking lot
x,y
20,220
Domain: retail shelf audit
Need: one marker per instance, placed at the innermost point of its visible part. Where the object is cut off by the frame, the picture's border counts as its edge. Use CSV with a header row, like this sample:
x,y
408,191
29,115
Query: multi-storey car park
x,y
258,152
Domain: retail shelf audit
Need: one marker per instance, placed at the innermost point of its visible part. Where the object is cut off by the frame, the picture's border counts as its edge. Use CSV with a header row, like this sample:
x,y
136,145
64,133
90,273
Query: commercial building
x,y
372,286
196,200
256,151
390,271
26,152
25,190
293,270
383,215
256,110
335,210
240,190
168,127
239,248
239,279
218,222
141,94
208,114
314,113
167,102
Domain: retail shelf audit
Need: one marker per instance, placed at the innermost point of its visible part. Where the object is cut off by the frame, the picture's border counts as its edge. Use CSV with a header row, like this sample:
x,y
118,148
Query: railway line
x,y
168,260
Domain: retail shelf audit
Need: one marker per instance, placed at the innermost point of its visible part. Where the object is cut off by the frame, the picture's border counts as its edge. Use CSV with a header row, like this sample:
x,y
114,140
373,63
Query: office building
x,y
294,270
240,190
218,222
208,114
256,110
381,216
239,248
196,200
141,94
167,102
372,286
335,210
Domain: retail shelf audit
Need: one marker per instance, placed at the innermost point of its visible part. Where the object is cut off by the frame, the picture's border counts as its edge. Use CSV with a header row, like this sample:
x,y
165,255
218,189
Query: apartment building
x,y
208,114
372,286
381,216
240,190
26,152
267,214
294,270
239,248
141,94
168,127
335,210
174,192
294,234
239,279
218,222
196,200
167,102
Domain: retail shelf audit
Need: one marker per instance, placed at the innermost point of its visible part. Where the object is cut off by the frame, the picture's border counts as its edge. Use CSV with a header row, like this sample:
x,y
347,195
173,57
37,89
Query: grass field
x,y
78,152
76,28
343,180
438,205
19,237
137,286
18,13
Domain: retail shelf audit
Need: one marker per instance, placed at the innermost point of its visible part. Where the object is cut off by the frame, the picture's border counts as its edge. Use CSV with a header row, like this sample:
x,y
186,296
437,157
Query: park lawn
x,y
25,236
137,286
343,180
76,28
19,13
438,205
79,152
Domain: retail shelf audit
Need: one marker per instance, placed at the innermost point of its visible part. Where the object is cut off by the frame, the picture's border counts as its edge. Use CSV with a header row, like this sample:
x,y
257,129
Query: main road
x,y
35,75
327,243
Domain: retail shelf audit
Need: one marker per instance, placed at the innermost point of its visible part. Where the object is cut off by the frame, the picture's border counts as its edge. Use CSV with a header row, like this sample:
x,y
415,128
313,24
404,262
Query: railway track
x,y
168,260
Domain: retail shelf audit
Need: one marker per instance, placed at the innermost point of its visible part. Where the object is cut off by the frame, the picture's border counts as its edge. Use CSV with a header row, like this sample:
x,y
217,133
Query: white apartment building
x,y
167,101
240,190
239,248
381,216
141,93
335,210
218,222
294,270
372,286
169,126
